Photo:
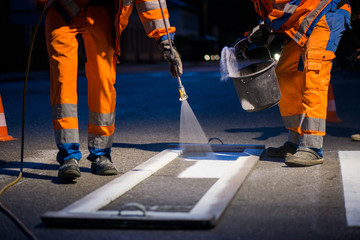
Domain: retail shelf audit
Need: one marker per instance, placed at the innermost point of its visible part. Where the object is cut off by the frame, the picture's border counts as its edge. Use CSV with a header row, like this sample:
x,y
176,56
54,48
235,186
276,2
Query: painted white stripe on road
x,y
211,168
350,168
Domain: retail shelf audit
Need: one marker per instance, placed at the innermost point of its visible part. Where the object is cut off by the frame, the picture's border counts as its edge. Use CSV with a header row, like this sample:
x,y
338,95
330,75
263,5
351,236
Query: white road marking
x,y
209,208
210,168
350,172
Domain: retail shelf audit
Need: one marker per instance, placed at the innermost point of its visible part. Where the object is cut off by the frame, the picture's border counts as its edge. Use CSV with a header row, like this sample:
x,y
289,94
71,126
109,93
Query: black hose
x,y
17,222
3,209
46,8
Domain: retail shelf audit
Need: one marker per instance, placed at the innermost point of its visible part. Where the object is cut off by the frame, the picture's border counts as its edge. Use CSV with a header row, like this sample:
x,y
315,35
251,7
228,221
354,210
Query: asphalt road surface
x,y
274,202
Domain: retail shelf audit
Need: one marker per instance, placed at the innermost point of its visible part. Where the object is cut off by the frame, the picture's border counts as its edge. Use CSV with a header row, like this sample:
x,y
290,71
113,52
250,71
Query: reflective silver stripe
x,y
127,2
155,24
101,119
2,120
97,141
307,20
64,110
67,136
311,141
293,121
314,124
150,5
71,6
287,8
294,137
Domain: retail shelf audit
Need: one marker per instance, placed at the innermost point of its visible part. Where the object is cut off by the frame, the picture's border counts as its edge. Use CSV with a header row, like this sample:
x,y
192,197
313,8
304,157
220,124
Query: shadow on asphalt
x,y
266,158
341,131
269,132
146,147
13,169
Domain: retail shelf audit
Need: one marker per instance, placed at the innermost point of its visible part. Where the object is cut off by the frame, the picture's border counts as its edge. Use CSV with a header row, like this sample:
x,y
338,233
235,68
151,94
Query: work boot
x,y
283,151
69,169
103,166
304,157
355,137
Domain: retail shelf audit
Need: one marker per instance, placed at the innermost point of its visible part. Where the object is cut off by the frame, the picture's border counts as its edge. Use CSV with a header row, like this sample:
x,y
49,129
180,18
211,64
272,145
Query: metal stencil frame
x,y
205,214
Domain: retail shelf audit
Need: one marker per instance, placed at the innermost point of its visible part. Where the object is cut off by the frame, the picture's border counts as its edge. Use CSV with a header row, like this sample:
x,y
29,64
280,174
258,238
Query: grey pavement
x,y
275,201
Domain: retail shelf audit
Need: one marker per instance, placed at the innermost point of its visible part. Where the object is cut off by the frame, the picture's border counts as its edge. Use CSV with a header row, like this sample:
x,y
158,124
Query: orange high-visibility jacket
x,y
296,18
149,13
148,10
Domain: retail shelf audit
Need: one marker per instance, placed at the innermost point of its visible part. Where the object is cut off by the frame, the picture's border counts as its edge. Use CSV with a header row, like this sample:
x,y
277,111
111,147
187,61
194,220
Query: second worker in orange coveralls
x,y
313,29
98,25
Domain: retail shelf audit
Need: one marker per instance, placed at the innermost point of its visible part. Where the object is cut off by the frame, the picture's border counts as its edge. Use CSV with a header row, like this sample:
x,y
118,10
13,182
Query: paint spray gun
x,y
183,95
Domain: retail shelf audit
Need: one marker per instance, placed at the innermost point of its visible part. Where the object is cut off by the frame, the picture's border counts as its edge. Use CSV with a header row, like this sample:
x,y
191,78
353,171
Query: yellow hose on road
x,y
6,211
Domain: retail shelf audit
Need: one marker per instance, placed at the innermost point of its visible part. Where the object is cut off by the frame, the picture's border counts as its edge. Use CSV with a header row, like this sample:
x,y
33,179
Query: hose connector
x,y
183,95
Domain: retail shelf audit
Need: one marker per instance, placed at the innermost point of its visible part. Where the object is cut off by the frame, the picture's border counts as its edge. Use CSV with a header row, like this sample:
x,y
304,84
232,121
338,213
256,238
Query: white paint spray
x,y
191,131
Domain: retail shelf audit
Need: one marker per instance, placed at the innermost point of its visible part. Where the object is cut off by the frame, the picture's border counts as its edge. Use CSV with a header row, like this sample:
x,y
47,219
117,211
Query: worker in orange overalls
x,y
313,29
97,24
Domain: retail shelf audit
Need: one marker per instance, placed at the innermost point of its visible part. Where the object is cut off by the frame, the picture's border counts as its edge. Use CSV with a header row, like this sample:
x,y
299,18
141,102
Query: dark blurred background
x,y
204,27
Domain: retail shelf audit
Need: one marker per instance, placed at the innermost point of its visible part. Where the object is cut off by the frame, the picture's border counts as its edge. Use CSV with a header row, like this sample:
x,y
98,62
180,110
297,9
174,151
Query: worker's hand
x,y
241,48
260,34
174,59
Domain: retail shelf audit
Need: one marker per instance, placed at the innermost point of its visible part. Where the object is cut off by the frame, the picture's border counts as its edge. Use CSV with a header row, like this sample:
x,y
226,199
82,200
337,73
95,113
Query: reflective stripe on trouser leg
x,y
62,49
293,137
290,81
311,141
101,129
314,130
100,71
317,73
293,123
65,124
319,53
310,86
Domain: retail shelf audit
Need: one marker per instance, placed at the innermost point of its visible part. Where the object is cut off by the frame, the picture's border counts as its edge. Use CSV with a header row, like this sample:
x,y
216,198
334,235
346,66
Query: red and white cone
x,y
4,136
331,108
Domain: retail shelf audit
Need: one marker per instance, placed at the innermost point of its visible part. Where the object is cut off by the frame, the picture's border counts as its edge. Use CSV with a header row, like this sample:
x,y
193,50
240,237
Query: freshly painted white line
x,y
218,197
350,171
115,188
205,168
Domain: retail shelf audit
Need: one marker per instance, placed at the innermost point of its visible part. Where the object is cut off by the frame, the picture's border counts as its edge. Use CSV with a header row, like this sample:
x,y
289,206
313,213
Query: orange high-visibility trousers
x,y
96,25
304,75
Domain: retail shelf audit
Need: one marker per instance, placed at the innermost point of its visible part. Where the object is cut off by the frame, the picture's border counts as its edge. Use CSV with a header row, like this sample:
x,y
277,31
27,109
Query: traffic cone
x,y
331,108
4,136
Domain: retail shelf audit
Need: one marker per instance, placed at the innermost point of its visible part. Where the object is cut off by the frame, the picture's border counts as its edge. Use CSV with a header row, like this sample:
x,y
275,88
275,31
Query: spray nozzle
x,y
182,92
183,95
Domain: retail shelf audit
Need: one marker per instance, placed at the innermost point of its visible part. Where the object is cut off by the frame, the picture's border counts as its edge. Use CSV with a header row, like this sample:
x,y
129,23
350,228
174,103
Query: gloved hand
x,y
176,68
260,34
241,47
